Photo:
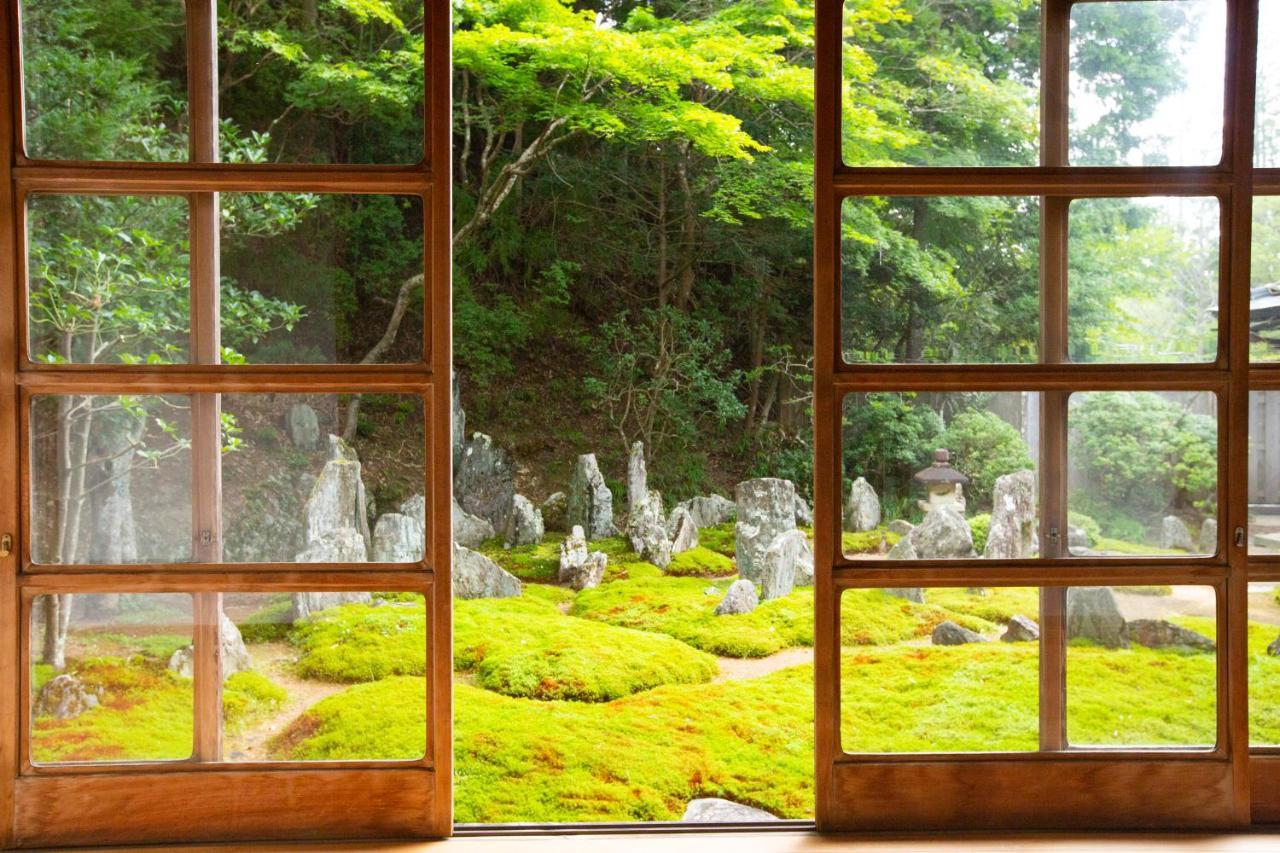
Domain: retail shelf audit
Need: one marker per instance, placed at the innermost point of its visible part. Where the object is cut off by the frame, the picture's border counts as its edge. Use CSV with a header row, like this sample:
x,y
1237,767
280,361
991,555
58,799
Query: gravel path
x,y
275,661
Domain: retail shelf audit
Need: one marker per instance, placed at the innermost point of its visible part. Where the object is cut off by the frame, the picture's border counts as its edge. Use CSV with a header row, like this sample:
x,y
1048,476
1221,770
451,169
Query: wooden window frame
x,y
206,798
1059,786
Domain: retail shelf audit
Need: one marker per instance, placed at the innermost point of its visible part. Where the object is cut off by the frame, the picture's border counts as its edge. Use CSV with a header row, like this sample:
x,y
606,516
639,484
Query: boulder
x,y
1209,536
342,546
782,563
525,527
637,479
647,531
1174,534
306,603
1161,633
715,810
901,527
476,576
1092,614
590,503
766,509
65,697
710,510
740,598
397,538
579,568
485,482
1013,517
804,513
459,425
469,530
904,550
554,510
1021,630
302,426
337,504
1077,539
910,593
235,656
950,634
862,509
943,534
1273,648
682,530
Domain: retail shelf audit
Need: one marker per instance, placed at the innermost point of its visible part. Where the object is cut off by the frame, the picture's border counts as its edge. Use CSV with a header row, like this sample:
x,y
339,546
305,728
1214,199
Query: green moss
x,y
361,642
270,624
868,541
719,538
979,527
539,562
624,563
248,696
700,562
384,719
115,644
996,604
41,674
1121,546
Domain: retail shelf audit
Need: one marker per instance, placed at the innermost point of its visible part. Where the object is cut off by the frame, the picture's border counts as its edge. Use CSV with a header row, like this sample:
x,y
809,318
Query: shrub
x,y
1086,523
979,527
887,438
984,447
700,562
271,623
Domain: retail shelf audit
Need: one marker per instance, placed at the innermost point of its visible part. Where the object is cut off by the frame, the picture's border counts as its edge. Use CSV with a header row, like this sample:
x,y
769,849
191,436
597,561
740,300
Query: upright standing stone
x,y
804,512
580,568
1174,534
476,576
862,511
590,503
647,532
1013,517
459,431
781,563
303,427
485,483
470,531
397,538
337,502
637,478
1092,614
710,510
682,530
766,509
526,526
1209,536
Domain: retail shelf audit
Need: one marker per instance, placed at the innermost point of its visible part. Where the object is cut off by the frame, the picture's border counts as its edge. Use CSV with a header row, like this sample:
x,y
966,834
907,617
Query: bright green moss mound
x,y
248,696
993,604
382,720
362,642
700,562
270,624
719,538
527,648
867,541
541,563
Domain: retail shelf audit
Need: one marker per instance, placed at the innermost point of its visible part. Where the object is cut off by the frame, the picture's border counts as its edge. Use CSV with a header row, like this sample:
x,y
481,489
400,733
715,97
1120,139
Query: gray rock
x,y
943,534
804,513
804,561
788,551
1161,633
337,507
342,546
910,593
590,503
459,425
901,527
637,479
470,531
416,508
904,550
1209,536
715,810
580,568
397,539
485,483
235,656
766,509
1077,539
65,697
1013,517
526,526
1273,648
862,509
950,634
302,426
476,576
1092,614
1174,534
710,510
647,531
554,512
682,530
1021,630
306,603
740,598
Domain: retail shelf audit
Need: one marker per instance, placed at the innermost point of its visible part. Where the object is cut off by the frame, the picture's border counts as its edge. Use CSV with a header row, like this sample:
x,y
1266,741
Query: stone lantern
x,y
943,485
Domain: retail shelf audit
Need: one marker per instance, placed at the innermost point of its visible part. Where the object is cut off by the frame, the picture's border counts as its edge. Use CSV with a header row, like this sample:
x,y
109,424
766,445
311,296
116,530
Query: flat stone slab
x,y
716,810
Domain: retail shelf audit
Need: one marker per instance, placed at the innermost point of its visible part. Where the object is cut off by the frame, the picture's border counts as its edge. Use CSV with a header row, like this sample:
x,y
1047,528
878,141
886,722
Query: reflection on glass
x,y
1264,281
1264,664
110,479
324,676
1147,82
295,490
1142,475
1266,129
1143,280
941,475
949,670
321,279
940,280
1142,666
105,82
108,279
1264,472
111,677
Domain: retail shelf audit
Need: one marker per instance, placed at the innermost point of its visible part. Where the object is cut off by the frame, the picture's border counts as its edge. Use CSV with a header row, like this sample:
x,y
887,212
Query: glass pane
x,y
940,280
1142,666
1142,474
1266,131
959,671
108,279
324,676
1264,664
110,479
942,84
321,279
1264,281
294,490
307,82
106,81
1143,280
107,682
1147,81
1264,472
941,475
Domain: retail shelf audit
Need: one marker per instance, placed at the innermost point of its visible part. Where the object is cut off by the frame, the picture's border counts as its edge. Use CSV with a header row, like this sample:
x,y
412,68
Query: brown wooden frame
x,y
1059,786
207,799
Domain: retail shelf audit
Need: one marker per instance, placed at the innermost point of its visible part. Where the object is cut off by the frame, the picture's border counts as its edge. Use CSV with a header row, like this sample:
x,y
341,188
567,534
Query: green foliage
x,y
721,538
984,447
887,438
1086,523
867,541
700,562
361,642
270,623
384,719
248,696
539,563
979,527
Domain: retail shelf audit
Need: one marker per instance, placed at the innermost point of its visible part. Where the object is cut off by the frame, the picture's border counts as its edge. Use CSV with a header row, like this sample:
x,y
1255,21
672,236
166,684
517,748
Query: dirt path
x,y
274,660
736,669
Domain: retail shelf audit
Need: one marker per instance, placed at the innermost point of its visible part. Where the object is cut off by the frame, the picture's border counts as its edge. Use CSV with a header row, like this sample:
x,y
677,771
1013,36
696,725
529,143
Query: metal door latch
x,y
6,545
1239,537
1054,536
